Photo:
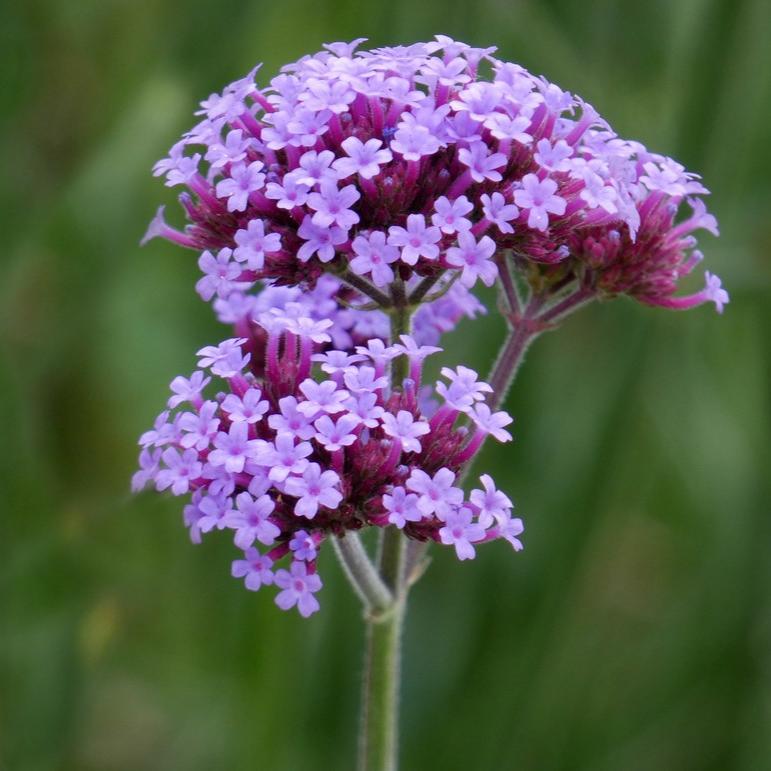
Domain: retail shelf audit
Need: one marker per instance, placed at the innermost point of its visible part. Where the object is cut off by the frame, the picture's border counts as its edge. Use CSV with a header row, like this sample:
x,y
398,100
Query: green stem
x,y
363,576
509,361
362,285
378,741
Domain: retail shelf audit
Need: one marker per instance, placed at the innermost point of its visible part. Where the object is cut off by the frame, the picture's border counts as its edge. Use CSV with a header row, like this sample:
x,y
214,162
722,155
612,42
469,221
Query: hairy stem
x,y
526,327
555,313
378,740
361,573
508,287
508,363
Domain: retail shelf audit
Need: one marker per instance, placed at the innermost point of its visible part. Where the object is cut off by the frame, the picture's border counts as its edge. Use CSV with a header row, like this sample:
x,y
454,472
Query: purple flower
x,y
179,472
405,429
310,329
365,408
149,462
225,359
554,157
374,255
491,422
198,429
321,397
299,586
213,512
328,95
597,194
284,457
323,200
314,168
402,507
465,388
337,362
493,505
714,292
364,158
480,100
242,181
255,569
474,258
254,243
290,420
234,448
220,274
505,127
250,521
482,164
319,240
289,194
179,169
415,352
412,142
188,390
416,240
333,206
450,216
303,546
436,494
232,150
162,432
459,531
419,132
248,408
313,489
378,351
538,197
306,127
359,379
445,72
220,482
336,434
669,178
498,212
510,529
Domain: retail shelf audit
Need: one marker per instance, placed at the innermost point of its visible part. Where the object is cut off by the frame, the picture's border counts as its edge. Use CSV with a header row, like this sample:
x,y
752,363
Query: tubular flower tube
x,y
282,460
405,163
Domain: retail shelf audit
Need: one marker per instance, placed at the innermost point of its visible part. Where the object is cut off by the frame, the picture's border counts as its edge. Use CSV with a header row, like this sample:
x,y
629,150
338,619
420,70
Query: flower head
x,y
287,456
349,156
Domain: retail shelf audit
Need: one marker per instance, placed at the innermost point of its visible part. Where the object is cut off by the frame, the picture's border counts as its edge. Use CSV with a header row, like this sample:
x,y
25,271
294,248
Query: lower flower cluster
x,y
304,441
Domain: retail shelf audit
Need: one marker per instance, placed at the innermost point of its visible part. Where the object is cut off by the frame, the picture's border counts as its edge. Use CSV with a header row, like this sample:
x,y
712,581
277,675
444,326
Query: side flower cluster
x,y
283,459
405,163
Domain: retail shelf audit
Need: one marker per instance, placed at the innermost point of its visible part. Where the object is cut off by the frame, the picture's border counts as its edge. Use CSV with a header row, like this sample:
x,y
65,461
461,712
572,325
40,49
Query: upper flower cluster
x,y
405,162
284,460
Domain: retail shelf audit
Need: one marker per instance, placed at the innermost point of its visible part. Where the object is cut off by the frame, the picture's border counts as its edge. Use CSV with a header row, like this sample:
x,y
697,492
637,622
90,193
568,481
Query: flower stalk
x,y
379,724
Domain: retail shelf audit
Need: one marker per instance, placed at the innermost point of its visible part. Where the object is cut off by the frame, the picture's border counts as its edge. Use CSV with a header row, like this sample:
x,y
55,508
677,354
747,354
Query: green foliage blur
x,y
634,631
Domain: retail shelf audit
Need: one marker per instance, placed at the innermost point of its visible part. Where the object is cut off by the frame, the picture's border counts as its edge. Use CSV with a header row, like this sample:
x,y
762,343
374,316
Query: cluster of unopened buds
x,y
343,214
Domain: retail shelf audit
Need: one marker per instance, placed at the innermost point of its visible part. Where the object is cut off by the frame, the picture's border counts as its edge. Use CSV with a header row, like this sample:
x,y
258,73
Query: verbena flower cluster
x,y
360,188
283,459
405,162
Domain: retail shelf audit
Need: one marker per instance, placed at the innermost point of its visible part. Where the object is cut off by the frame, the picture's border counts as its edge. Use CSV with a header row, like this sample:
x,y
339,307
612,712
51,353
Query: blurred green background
x,y
634,632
